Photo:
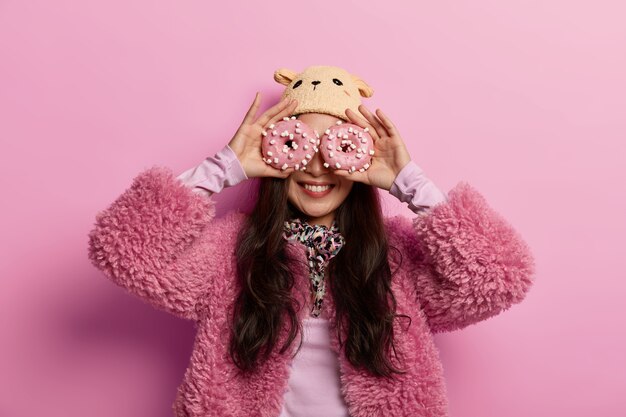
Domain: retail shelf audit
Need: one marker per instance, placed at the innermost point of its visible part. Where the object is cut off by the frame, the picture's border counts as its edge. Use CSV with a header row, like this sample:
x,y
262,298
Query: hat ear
x,y
284,76
364,88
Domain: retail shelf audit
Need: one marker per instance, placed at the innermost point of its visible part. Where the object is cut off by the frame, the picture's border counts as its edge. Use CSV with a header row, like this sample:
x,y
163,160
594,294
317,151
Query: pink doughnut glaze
x,y
347,146
289,143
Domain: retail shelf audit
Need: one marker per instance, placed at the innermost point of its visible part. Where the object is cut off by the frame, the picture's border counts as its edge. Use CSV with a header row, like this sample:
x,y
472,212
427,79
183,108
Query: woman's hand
x,y
246,143
390,153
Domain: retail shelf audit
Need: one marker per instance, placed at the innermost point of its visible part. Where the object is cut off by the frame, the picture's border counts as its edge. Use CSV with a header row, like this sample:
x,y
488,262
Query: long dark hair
x,y
359,280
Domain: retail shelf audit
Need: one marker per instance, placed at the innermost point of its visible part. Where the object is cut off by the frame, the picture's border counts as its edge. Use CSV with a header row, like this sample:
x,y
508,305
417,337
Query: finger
x,y
287,172
361,122
356,119
249,118
373,120
279,173
391,128
286,112
353,176
272,111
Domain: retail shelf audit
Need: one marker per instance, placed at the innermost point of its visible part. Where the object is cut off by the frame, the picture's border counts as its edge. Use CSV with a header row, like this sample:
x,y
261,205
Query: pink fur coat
x,y
461,263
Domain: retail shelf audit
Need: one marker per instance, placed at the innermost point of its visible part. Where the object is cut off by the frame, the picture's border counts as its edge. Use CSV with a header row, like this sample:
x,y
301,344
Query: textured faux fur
x,y
461,263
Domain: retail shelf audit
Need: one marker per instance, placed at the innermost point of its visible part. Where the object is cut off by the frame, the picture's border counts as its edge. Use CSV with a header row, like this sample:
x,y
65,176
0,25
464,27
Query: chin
x,y
316,213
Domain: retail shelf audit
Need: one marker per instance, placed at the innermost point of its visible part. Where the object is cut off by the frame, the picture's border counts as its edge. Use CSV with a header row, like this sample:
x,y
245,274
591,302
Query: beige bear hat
x,y
324,89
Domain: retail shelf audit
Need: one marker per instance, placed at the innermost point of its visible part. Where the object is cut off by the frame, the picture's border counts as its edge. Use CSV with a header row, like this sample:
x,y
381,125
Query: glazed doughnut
x,y
347,146
289,143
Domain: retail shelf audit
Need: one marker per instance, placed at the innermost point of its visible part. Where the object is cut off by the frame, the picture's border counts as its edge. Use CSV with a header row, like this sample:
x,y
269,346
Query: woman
x,y
256,283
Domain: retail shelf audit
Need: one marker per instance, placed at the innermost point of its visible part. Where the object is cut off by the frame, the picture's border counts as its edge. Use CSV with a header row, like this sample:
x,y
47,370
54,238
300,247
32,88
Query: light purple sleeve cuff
x,y
214,173
413,187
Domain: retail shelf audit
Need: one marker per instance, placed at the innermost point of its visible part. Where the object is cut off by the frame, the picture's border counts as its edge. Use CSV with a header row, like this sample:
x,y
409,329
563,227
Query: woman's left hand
x,y
390,153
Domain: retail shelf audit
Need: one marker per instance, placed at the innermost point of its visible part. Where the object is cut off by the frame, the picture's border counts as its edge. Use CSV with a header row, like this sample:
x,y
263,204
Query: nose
x,y
316,82
316,166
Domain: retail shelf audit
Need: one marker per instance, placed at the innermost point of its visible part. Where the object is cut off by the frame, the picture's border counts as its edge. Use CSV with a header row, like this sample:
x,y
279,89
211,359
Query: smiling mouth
x,y
316,188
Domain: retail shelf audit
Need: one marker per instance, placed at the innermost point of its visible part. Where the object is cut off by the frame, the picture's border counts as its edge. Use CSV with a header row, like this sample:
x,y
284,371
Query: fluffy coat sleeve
x,y
470,263
146,241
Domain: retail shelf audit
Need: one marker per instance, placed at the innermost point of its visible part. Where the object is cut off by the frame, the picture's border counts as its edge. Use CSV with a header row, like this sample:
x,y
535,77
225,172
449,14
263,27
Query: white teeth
x,y
312,140
317,188
304,135
286,119
338,165
275,160
297,167
297,124
339,122
371,151
272,141
358,156
363,140
331,154
366,166
329,146
272,126
298,130
327,132
274,133
290,156
307,156
291,136
367,129
305,147
326,164
350,130
294,145
292,118
284,166
269,153
264,133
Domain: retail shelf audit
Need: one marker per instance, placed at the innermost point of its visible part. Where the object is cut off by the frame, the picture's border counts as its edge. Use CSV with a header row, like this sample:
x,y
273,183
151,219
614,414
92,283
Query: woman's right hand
x,y
246,143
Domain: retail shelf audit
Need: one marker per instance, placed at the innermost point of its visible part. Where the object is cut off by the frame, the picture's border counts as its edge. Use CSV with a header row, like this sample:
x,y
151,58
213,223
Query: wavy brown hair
x,y
359,281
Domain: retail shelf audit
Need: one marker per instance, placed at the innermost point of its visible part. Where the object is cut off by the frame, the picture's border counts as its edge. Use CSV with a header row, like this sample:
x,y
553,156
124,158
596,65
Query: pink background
x,y
526,100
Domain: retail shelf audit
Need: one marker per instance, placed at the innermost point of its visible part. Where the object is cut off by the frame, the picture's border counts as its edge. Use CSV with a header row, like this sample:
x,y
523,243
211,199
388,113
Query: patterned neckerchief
x,y
322,244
